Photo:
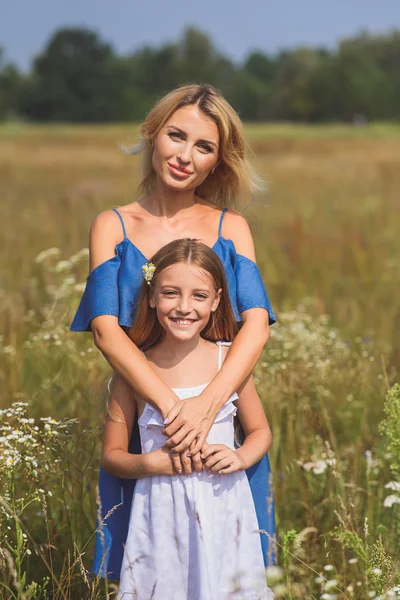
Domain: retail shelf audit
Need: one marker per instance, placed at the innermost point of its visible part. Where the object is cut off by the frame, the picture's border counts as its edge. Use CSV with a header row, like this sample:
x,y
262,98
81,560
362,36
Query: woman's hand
x,y
188,420
219,458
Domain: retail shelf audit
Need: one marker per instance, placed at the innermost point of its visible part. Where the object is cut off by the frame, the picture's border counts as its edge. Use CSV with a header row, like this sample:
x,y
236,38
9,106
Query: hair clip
x,y
148,272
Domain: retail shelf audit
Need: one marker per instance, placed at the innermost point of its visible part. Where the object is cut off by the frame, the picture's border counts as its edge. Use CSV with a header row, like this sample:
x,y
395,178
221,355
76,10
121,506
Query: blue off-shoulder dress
x,y
113,288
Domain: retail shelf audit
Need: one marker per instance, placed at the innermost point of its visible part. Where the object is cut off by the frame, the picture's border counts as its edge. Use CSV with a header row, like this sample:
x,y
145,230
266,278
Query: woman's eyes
x,y
206,147
176,134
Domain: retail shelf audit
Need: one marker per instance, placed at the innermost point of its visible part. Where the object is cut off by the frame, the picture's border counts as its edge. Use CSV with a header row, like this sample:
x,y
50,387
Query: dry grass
x,y
328,244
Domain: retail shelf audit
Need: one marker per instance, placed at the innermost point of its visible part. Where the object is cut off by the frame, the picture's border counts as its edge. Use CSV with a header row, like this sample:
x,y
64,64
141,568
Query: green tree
x,y
291,95
73,80
10,84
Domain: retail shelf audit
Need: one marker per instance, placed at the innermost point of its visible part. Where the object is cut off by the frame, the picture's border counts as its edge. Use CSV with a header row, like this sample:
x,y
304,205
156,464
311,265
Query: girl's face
x,y
186,149
184,296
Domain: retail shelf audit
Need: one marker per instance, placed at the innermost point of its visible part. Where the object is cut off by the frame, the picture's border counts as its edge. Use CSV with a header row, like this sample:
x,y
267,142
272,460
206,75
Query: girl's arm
x,y
240,362
117,432
116,459
118,349
258,437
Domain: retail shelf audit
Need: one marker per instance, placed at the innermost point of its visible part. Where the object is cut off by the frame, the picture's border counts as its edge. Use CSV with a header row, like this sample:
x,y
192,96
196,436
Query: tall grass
x,y
328,245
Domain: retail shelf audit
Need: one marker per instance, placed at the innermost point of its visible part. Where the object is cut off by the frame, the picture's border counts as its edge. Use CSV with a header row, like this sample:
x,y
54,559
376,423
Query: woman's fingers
x,y
201,439
185,441
174,422
177,438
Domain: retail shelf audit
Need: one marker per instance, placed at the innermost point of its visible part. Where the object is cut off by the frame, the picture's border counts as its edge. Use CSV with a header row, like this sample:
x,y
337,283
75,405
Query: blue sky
x,y
236,26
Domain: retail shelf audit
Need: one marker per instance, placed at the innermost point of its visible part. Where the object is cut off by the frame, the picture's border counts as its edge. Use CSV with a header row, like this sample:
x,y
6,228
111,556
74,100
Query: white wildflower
x,y
393,485
9,350
390,500
320,467
84,253
274,574
46,254
330,584
79,287
63,265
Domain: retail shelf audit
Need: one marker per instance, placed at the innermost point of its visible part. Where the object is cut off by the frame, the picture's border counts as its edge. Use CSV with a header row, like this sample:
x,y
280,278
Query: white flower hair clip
x,y
148,272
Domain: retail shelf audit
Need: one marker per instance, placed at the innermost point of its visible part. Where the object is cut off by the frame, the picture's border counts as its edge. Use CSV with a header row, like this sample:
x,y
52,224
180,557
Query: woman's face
x,y
186,149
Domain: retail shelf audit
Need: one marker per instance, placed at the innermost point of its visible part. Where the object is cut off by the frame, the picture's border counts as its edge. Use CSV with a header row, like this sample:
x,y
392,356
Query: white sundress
x,y
193,537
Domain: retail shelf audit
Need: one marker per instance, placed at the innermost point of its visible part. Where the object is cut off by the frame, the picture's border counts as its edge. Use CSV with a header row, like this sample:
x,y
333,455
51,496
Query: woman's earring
x,y
212,170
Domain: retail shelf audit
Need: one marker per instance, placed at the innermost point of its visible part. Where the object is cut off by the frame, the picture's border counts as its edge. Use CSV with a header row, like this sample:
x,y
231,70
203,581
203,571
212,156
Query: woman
x,y
194,164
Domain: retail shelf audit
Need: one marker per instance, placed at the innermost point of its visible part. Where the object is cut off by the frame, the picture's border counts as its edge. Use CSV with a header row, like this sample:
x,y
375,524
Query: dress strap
x,y
220,221
220,344
122,221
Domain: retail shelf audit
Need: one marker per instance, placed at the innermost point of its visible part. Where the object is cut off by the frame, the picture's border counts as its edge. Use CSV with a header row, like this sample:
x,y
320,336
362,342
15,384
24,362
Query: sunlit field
x,y
327,237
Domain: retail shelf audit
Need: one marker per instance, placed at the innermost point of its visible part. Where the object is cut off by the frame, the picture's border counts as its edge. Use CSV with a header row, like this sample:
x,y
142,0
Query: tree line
x,y
79,78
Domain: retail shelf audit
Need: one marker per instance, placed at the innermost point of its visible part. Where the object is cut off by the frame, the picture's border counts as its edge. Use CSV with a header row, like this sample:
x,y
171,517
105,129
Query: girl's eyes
x,y
170,293
176,134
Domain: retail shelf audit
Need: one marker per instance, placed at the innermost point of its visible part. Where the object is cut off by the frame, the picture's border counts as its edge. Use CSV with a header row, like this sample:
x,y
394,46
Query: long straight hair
x,y
146,330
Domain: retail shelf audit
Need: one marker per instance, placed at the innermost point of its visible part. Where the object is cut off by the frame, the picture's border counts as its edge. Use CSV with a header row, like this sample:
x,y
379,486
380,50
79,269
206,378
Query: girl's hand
x,y
188,421
187,462
219,458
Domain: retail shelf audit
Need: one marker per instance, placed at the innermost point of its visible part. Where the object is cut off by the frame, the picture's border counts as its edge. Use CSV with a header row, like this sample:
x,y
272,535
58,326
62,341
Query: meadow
x,y
328,244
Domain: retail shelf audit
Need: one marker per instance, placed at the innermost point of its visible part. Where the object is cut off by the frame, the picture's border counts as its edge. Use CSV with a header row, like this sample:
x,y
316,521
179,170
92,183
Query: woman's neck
x,y
165,202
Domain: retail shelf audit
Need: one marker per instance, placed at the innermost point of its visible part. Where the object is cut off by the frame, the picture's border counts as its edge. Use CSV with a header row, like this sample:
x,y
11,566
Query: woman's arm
x,y
258,437
239,364
118,349
116,459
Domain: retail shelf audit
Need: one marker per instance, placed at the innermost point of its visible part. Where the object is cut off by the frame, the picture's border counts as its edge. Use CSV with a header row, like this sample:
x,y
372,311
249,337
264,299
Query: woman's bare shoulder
x,y
236,228
105,233
106,225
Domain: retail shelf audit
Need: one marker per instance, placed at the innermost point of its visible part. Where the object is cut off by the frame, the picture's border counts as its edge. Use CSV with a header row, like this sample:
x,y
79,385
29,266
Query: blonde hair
x,y
234,180
146,330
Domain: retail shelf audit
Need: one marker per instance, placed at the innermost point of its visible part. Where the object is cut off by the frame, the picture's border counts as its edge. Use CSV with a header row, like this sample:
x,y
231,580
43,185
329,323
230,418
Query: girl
x,y
194,169
190,537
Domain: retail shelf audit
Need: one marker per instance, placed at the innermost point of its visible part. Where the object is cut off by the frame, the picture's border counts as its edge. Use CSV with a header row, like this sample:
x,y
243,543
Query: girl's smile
x,y
184,297
182,322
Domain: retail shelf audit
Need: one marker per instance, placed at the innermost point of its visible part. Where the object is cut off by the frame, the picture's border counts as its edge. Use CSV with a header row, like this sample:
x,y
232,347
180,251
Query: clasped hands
x,y
187,425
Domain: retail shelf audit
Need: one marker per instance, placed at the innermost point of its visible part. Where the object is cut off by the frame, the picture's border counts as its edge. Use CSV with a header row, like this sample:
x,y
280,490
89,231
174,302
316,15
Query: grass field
x,y
328,243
